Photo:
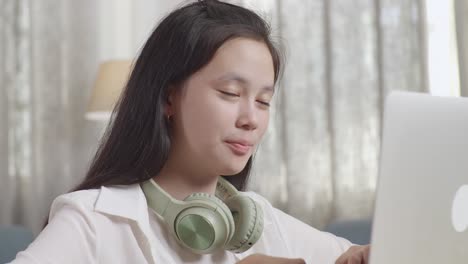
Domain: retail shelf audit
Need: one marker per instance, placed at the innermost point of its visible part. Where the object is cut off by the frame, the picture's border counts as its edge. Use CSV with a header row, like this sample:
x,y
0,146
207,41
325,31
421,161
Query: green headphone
x,y
203,223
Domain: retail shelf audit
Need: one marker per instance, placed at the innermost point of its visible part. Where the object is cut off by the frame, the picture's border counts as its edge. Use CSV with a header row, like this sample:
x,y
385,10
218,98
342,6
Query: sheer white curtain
x,y
461,9
319,161
47,66
319,158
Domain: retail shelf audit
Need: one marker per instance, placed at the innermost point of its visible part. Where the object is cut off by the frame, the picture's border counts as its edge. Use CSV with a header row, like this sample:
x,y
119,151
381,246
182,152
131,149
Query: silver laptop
x,y
421,209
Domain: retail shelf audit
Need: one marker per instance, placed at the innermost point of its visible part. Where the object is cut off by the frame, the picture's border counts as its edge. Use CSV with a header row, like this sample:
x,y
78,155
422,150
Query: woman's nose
x,y
247,118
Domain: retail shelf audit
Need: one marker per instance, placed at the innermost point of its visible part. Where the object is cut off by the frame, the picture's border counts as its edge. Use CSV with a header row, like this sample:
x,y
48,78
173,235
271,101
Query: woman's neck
x,y
180,184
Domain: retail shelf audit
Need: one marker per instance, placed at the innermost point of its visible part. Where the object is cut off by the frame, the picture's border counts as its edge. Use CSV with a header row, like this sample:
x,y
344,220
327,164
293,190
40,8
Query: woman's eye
x,y
264,103
229,94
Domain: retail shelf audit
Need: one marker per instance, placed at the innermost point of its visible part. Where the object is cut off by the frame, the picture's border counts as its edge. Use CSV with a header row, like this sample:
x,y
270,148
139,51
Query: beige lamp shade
x,y
111,79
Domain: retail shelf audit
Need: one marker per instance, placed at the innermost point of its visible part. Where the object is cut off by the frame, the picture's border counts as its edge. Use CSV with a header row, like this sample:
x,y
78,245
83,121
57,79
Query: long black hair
x,y
136,143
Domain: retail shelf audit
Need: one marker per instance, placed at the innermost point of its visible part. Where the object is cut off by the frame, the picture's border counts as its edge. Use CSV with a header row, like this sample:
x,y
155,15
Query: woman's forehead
x,y
242,60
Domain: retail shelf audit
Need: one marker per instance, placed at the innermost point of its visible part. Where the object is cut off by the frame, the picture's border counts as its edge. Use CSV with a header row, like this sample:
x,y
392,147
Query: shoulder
x,y
111,200
258,198
83,200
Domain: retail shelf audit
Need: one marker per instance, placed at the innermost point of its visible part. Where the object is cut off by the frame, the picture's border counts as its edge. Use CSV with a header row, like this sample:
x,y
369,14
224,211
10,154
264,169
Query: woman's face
x,y
221,113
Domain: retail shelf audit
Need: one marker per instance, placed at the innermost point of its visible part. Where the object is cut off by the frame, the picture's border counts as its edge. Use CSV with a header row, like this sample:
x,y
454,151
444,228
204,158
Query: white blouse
x,y
114,225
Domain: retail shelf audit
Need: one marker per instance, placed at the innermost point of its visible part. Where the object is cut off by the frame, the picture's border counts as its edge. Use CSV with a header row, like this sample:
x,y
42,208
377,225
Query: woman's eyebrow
x,y
230,76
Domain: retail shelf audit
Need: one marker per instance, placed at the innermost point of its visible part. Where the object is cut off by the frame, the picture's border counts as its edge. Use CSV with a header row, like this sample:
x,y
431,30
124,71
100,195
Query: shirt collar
x,y
127,201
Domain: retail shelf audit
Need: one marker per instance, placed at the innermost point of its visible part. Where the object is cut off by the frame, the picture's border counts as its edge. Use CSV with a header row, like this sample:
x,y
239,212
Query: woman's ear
x,y
169,106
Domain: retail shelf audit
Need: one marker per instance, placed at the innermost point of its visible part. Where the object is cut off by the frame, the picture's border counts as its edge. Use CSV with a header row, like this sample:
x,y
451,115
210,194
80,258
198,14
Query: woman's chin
x,y
231,172
231,165
233,169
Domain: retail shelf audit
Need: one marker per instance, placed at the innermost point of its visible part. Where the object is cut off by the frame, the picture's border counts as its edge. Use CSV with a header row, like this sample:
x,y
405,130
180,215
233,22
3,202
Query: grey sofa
x,y
12,240
356,231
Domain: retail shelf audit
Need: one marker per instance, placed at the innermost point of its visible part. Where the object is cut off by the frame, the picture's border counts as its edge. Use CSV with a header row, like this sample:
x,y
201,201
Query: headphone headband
x,y
159,200
224,189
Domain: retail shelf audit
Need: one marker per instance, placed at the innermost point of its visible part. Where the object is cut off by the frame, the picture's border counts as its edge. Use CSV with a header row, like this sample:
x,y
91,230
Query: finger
x,y
352,256
261,258
359,257
296,261
343,259
277,260
366,254
355,259
362,255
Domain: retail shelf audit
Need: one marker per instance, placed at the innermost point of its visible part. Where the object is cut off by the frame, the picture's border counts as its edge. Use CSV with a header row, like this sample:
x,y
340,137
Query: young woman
x,y
166,184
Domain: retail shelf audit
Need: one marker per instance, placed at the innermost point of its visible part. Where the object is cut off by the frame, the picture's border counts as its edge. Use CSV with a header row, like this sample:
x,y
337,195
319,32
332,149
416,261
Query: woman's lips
x,y
239,148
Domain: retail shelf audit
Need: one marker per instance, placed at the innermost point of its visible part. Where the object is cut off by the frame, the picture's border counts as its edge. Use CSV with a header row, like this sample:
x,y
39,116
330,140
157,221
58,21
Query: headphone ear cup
x,y
206,225
248,220
221,207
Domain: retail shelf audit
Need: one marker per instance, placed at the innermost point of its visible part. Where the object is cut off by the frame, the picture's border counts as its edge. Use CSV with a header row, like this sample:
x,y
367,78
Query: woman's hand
x,y
260,259
355,255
